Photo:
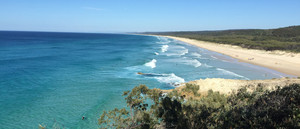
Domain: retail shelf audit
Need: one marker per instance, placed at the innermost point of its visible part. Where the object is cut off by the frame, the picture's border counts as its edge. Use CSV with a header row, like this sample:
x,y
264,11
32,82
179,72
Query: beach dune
x,y
228,86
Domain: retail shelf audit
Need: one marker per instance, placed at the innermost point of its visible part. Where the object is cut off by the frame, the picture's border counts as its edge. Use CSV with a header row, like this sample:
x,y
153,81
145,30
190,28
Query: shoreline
x,y
284,62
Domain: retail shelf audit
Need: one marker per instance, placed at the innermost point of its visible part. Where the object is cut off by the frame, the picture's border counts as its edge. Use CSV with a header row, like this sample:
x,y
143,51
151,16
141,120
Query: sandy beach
x,y
285,62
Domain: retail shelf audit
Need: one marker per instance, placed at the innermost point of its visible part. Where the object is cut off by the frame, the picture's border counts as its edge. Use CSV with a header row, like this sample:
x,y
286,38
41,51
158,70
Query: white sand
x,y
285,62
226,86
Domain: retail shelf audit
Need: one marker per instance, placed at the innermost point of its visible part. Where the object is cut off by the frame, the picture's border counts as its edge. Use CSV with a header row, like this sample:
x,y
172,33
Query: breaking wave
x,y
192,62
163,40
170,79
196,54
164,48
177,51
151,64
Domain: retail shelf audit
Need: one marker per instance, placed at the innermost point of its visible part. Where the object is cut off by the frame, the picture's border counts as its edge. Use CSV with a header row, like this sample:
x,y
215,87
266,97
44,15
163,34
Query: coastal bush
x,y
287,39
191,88
276,109
139,114
258,108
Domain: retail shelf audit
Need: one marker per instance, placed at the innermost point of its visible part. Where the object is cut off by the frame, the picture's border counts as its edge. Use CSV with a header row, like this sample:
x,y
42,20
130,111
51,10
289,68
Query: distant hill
x,y
287,38
292,31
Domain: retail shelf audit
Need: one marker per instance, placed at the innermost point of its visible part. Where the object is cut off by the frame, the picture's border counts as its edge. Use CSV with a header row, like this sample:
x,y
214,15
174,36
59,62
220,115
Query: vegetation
x,y
150,108
287,38
191,88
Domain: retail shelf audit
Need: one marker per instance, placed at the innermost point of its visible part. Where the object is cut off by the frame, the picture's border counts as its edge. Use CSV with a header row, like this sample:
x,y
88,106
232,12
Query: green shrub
x,y
191,88
257,109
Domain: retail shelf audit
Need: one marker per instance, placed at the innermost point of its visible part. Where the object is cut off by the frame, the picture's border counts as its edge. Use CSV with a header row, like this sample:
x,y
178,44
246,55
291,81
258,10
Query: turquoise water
x,y
56,78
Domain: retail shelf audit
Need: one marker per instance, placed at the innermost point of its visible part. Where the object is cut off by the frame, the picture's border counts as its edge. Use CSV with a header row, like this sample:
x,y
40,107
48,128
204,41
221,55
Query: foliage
x,y
139,114
260,108
287,38
191,88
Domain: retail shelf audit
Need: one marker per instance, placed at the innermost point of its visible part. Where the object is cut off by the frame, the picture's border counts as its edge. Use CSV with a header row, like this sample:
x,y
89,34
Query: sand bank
x,y
227,86
285,62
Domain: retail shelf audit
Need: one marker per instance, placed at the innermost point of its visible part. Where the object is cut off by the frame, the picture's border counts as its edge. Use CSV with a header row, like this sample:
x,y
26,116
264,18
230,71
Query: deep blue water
x,y
56,78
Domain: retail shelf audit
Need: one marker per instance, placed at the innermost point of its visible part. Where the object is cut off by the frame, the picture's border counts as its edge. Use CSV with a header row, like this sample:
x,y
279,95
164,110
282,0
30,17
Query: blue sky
x,y
146,15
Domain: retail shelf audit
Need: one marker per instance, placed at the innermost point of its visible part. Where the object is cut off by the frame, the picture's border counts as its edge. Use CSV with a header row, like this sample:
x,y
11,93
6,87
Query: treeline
x,y
287,39
150,108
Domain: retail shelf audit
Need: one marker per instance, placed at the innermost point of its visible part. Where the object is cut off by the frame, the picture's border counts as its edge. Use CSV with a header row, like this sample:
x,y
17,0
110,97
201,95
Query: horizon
x,y
136,32
143,16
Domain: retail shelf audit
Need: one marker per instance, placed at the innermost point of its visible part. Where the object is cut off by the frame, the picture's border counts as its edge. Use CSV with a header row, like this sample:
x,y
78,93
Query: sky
x,y
146,15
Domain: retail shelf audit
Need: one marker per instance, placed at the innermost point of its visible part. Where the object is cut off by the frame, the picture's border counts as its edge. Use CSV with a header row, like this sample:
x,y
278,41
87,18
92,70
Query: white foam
x,y
156,53
186,51
208,66
232,73
157,37
195,63
192,62
170,79
151,64
196,54
177,51
164,48
163,40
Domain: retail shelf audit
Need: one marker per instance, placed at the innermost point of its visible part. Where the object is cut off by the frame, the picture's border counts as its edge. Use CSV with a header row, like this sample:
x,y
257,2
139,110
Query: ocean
x,y
54,79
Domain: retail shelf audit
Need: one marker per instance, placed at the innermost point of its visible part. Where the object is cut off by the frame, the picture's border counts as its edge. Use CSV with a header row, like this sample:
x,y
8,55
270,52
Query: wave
x,y
164,48
208,66
187,61
163,40
185,51
193,62
196,54
171,79
157,37
151,64
179,51
156,53
232,73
